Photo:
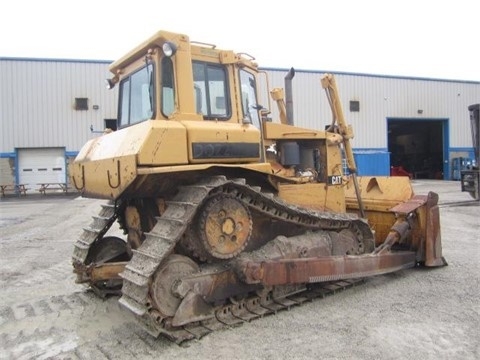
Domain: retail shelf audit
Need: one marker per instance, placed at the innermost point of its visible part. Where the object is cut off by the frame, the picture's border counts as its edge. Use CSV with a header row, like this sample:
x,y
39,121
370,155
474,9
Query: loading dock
x,y
420,146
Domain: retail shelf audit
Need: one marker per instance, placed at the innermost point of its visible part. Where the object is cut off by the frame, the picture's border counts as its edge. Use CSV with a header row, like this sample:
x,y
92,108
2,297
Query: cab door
x,y
220,138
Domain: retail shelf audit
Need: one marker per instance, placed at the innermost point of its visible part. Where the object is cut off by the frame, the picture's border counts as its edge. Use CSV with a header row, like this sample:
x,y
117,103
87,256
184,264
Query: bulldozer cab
x,y
155,77
170,78
183,103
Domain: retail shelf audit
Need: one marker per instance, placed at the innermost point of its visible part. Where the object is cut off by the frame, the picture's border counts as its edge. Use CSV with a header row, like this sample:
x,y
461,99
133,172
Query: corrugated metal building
x,y
420,124
50,108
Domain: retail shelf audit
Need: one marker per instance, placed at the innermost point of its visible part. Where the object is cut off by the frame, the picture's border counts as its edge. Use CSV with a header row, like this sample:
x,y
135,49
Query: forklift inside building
x,y
417,147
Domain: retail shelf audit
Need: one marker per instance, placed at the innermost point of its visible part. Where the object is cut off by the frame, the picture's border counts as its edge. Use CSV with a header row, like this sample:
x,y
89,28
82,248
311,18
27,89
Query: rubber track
x,y
173,223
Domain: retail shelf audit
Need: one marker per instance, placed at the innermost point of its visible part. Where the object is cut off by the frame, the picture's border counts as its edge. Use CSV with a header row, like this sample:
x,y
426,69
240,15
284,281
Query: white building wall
x,y
38,102
380,98
37,98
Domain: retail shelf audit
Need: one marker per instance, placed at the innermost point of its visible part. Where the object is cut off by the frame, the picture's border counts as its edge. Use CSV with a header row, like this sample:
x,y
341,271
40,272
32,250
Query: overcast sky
x,y
433,39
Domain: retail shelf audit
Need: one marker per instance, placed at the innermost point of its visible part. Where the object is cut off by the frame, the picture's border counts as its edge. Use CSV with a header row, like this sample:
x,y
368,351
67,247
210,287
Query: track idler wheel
x,y
225,226
162,294
108,249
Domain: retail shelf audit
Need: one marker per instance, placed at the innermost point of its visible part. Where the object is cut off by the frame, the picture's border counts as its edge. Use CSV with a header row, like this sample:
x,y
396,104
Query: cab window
x,y
168,89
249,98
211,91
137,97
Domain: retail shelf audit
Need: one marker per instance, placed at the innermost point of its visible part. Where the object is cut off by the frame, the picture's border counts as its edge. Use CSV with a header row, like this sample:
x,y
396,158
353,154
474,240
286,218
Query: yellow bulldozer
x,y
227,214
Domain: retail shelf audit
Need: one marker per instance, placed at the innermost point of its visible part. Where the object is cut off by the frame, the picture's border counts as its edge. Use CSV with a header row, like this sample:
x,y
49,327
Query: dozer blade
x,y
428,212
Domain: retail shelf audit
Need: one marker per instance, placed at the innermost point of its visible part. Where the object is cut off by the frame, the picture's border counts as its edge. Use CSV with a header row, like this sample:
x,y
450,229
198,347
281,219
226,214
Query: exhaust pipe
x,y
289,95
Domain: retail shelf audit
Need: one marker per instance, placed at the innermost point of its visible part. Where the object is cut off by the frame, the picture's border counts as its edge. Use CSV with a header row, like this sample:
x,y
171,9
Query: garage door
x,y
41,165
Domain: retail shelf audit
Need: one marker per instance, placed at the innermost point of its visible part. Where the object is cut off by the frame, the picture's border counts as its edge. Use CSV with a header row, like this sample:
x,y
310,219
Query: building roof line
x,y
372,75
4,58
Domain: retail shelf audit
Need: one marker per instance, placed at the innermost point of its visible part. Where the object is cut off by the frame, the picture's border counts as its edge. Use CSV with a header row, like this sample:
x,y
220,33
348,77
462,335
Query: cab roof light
x,y
169,48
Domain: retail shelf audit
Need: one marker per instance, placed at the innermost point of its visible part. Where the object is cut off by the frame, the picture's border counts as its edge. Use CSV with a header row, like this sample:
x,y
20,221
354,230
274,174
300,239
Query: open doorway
x,y
111,124
419,147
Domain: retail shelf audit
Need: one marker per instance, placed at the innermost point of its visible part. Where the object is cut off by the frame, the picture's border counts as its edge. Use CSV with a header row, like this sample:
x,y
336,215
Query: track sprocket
x,y
225,226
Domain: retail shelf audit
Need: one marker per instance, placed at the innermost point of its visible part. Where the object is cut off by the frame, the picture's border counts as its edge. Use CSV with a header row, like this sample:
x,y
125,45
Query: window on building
x,y
137,97
354,106
81,103
211,91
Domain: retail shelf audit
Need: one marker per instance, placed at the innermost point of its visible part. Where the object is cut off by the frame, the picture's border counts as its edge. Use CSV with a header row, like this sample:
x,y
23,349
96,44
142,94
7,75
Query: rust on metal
x,y
225,227
107,271
433,243
173,291
214,286
411,205
332,268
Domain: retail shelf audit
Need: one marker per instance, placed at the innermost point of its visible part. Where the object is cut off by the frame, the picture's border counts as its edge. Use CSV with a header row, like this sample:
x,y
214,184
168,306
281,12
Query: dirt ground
x,y
412,314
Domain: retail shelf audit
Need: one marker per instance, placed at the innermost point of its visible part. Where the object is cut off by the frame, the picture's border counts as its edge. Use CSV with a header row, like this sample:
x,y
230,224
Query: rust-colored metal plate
x,y
309,270
107,271
411,205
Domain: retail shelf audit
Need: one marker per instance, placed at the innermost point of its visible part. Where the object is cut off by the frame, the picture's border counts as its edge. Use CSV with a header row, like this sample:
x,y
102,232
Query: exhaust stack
x,y
289,95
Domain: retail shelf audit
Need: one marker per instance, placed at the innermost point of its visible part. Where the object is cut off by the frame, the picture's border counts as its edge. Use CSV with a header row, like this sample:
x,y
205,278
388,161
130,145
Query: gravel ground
x,y
415,313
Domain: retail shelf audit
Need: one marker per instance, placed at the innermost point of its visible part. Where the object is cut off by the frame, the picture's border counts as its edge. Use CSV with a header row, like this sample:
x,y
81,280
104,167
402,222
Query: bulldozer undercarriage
x,y
222,253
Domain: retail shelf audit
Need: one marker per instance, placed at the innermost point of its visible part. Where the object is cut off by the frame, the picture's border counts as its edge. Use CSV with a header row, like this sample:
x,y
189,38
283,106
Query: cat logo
x,y
335,180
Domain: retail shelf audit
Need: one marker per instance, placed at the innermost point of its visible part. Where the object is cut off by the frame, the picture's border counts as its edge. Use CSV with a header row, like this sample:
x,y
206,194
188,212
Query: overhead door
x,y
419,146
41,165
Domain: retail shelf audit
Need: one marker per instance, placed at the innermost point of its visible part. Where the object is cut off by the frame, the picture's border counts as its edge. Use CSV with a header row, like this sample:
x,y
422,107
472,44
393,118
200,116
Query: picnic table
x,y
44,187
18,189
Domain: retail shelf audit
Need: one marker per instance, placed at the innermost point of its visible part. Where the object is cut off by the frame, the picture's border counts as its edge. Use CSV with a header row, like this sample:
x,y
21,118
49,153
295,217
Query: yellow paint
x,y
379,193
315,196
284,131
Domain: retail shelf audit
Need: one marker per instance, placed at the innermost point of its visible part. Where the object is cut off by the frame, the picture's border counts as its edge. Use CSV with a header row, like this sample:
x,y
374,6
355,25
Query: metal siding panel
x,y
37,96
6,102
381,98
37,103
311,108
